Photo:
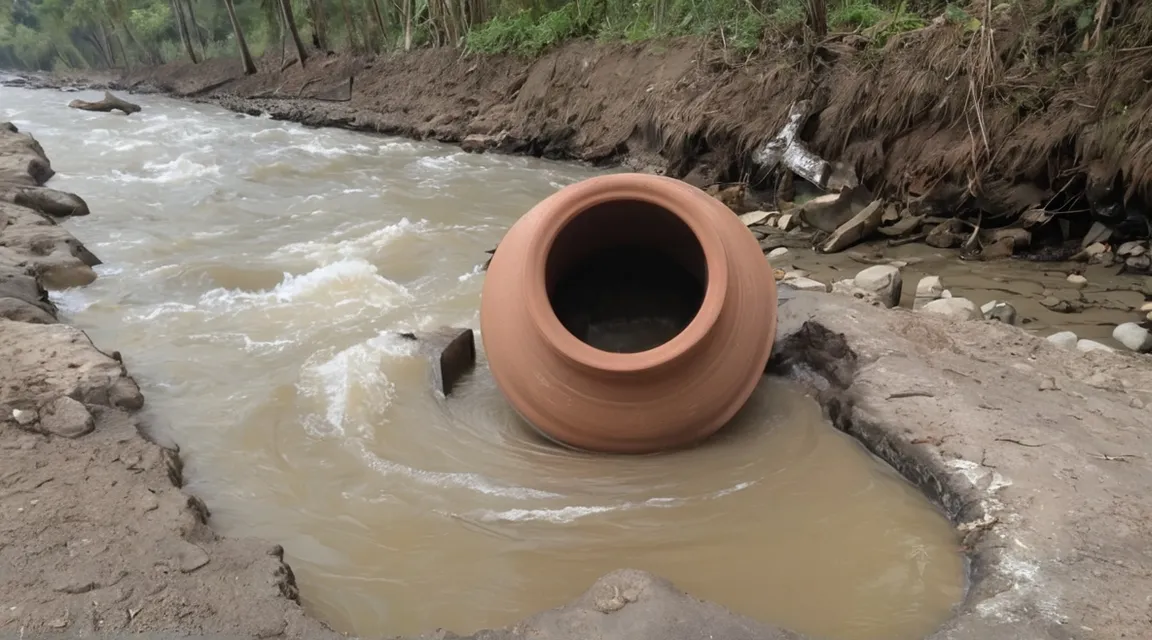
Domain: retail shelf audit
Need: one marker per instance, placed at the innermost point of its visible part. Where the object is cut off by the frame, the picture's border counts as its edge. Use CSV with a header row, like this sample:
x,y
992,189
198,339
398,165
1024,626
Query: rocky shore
x,y
96,536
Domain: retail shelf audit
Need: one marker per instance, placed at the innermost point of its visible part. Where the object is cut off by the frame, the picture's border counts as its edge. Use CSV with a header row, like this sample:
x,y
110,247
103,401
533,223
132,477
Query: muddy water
x,y
254,273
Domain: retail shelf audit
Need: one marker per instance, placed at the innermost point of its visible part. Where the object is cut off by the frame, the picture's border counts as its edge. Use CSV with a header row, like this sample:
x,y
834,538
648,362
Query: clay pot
x,y
670,295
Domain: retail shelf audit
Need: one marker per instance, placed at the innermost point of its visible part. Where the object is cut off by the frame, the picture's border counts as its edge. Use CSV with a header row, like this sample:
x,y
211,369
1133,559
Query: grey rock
x,y
1077,280
67,418
802,283
1132,248
882,280
24,417
1001,311
754,217
1091,345
928,289
956,308
1133,336
191,557
1065,339
125,394
777,252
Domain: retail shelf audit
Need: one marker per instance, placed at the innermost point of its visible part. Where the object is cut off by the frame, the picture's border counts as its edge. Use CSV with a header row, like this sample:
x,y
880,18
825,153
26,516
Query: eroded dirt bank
x,y
1010,117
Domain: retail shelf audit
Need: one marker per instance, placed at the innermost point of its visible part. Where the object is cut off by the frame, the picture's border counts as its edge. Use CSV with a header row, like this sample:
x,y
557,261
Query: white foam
x,y
351,281
355,248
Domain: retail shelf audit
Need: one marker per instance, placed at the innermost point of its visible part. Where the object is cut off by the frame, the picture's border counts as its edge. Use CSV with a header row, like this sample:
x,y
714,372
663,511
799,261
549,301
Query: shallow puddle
x,y
254,276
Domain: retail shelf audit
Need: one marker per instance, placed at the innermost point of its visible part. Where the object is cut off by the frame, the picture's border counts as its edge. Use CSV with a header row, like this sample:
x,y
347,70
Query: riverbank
x,y
98,536
983,122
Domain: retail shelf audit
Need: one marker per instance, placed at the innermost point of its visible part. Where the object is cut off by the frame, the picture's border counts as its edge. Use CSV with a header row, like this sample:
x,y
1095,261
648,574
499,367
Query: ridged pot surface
x,y
669,396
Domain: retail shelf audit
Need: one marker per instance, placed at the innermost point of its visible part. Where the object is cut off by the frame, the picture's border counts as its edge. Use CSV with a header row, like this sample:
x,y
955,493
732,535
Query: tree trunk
x,y
818,17
182,27
319,25
379,19
107,45
197,29
245,55
408,24
352,44
290,21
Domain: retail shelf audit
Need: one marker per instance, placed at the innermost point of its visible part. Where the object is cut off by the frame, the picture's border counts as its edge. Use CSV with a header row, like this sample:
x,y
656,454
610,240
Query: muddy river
x,y
254,273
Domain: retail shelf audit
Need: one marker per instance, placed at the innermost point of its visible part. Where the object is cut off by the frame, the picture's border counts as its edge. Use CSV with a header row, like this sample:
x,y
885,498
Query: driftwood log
x,y
107,105
788,150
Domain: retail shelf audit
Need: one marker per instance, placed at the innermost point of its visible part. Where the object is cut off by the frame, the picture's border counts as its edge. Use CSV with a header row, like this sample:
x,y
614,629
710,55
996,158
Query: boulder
x,y
883,281
854,230
1000,311
50,201
1133,336
66,417
956,308
1065,339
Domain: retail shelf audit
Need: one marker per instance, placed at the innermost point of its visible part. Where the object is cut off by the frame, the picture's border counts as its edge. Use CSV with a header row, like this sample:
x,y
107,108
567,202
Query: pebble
x,y
1048,384
777,252
1133,336
23,418
1065,339
957,308
786,222
67,418
1140,262
1136,403
883,281
1077,280
1092,345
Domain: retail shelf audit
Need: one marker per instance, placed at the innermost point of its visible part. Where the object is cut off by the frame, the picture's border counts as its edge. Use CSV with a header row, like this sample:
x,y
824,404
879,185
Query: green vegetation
x,y
61,34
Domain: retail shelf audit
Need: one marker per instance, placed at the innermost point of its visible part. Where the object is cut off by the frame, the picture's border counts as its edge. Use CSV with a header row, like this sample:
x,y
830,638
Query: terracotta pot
x,y
638,263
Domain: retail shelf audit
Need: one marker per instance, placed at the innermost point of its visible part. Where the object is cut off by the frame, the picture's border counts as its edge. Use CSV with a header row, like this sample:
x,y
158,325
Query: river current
x,y
255,276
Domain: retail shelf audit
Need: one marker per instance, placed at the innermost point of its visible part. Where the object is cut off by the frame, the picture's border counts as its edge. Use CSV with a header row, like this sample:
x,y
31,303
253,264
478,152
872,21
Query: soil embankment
x,y
97,535
1007,117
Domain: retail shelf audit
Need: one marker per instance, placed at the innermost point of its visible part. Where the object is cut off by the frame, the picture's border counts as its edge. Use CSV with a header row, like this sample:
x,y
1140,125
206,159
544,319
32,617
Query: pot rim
x,y
656,190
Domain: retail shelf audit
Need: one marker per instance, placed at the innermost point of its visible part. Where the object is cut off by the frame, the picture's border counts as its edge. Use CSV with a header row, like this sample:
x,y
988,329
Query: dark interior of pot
x,y
626,276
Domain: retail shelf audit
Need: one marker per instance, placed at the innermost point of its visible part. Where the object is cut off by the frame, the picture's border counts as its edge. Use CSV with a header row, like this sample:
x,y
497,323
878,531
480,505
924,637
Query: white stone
x,y
883,281
928,289
1133,336
1065,339
945,294
1091,345
754,217
957,308
786,221
805,284
23,418
1077,280
777,252
796,273
1133,248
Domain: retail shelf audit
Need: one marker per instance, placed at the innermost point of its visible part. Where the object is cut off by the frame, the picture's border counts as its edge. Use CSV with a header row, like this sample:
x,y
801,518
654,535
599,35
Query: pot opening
x,y
626,276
